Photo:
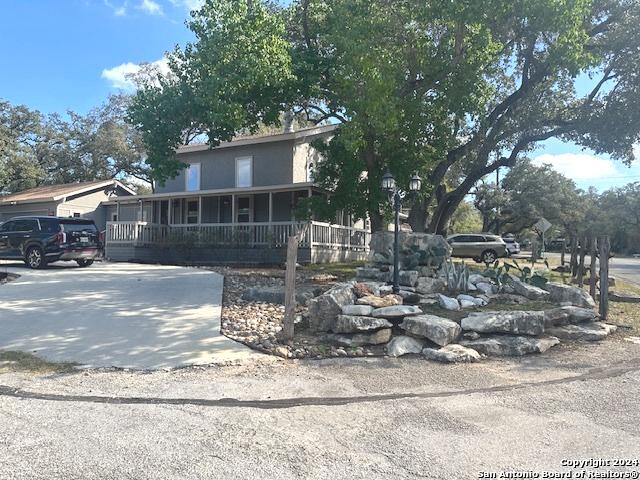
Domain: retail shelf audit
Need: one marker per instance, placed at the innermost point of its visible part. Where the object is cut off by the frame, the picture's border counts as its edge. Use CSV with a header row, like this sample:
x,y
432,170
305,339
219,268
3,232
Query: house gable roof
x,y
253,140
49,193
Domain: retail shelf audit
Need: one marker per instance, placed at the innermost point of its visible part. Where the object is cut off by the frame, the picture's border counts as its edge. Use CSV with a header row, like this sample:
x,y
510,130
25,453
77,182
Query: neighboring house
x,y
68,200
234,203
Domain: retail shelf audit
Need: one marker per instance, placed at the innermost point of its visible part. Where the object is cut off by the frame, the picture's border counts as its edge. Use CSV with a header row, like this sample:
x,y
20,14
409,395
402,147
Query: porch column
x,y
118,211
270,207
233,208
169,211
141,210
199,209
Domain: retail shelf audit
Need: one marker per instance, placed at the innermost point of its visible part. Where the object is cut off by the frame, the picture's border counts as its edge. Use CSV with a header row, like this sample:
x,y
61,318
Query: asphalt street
x,y
344,418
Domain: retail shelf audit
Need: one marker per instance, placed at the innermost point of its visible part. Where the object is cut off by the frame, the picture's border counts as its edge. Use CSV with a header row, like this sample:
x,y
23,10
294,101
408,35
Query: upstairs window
x,y
244,172
192,177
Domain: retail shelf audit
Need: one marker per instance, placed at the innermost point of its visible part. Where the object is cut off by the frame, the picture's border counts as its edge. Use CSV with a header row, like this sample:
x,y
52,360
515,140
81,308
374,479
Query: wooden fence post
x,y
605,248
290,289
592,275
573,263
564,247
583,254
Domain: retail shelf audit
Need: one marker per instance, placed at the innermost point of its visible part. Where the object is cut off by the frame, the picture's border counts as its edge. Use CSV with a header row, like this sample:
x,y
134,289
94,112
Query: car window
x,y
49,225
476,238
25,225
70,227
7,227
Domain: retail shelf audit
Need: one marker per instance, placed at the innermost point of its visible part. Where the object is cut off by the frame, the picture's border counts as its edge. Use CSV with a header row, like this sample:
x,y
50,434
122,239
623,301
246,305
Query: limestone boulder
x,y
510,345
363,310
561,293
377,337
518,322
568,315
428,285
372,274
416,249
324,309
590,332
403,345
355,324
408,278
441,331
476,278
452,353
486,288
276,294
476,301
396,311
529,291
448,303
380,302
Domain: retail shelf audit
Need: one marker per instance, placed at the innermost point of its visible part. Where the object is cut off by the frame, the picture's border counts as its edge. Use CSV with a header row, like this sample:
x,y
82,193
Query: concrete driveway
x,y
124,315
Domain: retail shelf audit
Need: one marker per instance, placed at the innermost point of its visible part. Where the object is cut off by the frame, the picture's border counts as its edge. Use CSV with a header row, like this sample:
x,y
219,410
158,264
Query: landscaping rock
x,y
590,332
410,298
427,285
519,322
355,324
510,345
466,304
567,315
560,293
396,311
380,302
324,310
509,299
475,278
369,273
437,329
364,310
486,288
529,291
363,289
416,249
276,294
359,339
453,353
448,303
408,278
477,302
403,344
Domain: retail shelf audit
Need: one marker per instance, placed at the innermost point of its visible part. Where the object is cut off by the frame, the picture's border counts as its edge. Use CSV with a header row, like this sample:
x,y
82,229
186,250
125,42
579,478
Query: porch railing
x,y
253,235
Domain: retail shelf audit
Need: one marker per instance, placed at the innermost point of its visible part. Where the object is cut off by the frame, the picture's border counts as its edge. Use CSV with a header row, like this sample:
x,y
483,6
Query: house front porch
x,y
233,243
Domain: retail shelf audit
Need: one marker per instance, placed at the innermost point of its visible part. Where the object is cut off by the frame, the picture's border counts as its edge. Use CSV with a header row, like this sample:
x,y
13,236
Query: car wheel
x,y
489,256
35,258
84,263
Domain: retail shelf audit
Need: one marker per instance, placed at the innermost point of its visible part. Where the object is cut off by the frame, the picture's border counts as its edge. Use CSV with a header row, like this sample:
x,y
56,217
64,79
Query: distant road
x,y
623,267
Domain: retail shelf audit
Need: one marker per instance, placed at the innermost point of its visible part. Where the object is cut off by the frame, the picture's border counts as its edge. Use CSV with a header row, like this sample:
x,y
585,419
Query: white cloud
x,y
578,166
188,4
120,76
118,10
151,7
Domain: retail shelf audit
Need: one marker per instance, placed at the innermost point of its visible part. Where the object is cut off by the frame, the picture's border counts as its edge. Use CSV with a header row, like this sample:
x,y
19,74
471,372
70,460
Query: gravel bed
x,y
257,324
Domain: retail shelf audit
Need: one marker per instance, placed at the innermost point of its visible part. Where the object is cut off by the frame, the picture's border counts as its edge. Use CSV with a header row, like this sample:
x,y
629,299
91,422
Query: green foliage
x,y
235,77
529,275
467,219
38,150
457,276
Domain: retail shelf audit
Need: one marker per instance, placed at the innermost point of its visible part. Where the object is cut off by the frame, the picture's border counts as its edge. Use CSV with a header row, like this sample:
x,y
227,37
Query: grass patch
x,y
626,313
12,361
344,271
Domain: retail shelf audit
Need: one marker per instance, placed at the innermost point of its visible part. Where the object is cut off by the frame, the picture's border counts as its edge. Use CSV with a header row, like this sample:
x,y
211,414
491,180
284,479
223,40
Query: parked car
x,y
481,247
43,240
513,247
556,245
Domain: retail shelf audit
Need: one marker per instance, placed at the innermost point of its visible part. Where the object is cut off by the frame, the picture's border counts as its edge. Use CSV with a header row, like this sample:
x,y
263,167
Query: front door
x,y
244,210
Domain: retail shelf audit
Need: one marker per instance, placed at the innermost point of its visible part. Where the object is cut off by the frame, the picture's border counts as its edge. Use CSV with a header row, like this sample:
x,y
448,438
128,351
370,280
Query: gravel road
x,y
339,418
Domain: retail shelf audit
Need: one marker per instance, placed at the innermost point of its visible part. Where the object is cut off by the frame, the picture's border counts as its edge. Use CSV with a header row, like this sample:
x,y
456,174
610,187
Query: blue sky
x,y
71,54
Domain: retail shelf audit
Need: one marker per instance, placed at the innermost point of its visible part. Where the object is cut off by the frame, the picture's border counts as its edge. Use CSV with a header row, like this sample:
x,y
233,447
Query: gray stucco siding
x,y
272,165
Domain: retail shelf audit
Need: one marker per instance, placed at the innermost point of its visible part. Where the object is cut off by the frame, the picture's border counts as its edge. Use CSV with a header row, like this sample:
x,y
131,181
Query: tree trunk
x,y
593,279
604,245
574,256
583,254
418,216
444,211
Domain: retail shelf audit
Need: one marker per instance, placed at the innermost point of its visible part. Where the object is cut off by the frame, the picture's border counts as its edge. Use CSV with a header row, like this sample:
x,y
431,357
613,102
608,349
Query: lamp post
x,y
395,196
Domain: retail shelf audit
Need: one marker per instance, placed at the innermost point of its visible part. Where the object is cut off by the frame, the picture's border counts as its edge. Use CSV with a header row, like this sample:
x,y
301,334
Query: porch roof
x,y
217,192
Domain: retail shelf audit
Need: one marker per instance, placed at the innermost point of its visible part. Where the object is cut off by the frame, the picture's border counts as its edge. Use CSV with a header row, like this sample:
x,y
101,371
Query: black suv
x,y
42,240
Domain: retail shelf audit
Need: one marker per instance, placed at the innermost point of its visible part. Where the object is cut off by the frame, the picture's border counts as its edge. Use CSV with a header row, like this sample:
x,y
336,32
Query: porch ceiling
x,y
218,192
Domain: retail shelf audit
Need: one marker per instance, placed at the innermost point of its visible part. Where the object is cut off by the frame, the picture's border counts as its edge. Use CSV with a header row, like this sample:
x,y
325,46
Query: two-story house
x,y
234,203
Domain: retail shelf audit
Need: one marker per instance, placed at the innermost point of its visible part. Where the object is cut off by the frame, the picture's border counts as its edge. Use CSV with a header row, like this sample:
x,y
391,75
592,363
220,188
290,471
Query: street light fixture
x,y
396,195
